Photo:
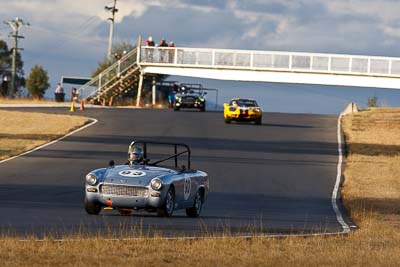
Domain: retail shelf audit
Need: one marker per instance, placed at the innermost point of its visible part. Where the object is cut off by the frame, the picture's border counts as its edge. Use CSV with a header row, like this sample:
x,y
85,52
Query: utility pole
x,y
15,24
113,10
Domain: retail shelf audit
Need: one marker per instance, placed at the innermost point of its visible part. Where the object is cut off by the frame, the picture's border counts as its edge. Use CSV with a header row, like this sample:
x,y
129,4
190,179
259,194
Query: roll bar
x,y
175,155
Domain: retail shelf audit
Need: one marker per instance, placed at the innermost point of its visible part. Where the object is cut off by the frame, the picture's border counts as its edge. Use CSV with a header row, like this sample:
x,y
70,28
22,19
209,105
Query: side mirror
x,y
111,164
205,93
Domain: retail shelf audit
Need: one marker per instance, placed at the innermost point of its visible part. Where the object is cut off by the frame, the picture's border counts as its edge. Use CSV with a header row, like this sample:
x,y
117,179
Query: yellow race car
x,y
241,109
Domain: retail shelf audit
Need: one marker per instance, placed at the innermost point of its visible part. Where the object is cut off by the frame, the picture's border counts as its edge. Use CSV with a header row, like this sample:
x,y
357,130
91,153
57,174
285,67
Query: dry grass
x,y
22,131
371,192
373,165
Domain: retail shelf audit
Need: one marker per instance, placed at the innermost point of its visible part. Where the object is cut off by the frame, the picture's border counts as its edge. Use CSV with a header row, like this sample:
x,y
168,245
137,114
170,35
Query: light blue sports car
x,y
142,184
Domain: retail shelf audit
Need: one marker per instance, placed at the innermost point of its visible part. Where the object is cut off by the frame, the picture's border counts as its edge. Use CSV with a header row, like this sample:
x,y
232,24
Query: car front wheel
x,y
197,206
92,208
167,208
227,120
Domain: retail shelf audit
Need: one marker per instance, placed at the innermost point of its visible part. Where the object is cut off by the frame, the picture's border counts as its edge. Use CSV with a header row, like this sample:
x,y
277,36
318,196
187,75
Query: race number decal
x,y
187,187
132,173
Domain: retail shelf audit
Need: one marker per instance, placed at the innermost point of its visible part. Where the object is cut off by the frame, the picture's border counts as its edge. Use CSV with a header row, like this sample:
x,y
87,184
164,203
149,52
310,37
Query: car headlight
x,y
201,99
156,184
257,109
91,179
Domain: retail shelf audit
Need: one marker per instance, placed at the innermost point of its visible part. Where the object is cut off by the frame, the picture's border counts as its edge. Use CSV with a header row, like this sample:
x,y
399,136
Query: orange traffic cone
x,y
110,102
103,102
72,109
82,105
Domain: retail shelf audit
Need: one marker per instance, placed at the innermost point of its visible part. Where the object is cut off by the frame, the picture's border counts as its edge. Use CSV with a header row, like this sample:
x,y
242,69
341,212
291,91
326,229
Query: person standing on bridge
x,y
150,42
162,44
149,54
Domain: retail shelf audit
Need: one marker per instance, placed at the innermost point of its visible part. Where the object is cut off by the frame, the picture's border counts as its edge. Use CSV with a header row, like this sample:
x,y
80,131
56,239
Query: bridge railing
x,y
109,75
272,60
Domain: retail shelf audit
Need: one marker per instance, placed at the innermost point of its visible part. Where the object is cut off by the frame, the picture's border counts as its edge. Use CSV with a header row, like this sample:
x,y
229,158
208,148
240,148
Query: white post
x,y
175,56
139,93
138,49
99,82
119,68
153,88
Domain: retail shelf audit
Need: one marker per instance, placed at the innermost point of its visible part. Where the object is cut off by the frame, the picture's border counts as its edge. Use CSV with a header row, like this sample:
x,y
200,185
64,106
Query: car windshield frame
x,y
244,103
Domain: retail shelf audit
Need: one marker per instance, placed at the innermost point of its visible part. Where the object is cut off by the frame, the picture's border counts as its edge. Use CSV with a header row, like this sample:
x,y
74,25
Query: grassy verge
x,y
371,192
22,131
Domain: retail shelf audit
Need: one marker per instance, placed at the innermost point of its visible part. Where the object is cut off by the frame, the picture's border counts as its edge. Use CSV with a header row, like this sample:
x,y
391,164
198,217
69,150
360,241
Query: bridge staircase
x,y
117,80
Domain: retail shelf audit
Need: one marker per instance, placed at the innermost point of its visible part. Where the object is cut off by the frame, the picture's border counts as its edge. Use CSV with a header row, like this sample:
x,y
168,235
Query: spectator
x,y
150,42
74,94
149,51
171,52
4,86
59,93
171,98
59,89
117,56
162,44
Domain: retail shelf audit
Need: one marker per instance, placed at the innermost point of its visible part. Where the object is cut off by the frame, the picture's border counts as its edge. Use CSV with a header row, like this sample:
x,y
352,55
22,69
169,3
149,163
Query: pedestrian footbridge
x,y
241,65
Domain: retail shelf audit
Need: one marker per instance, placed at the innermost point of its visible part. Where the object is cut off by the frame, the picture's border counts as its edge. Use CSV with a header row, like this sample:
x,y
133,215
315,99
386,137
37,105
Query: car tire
x,y
227,120
203,109
197,206
167,208
258,121
176,109
92,208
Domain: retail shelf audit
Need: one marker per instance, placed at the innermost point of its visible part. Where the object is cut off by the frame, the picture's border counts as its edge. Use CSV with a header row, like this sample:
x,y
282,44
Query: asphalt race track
x,y
276,178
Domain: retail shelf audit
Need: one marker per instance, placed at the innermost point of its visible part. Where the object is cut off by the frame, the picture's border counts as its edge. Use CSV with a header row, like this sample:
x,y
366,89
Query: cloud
x,y
74,34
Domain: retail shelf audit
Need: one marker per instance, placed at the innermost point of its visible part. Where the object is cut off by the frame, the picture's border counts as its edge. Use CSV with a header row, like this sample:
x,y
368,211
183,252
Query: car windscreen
x,y
244,103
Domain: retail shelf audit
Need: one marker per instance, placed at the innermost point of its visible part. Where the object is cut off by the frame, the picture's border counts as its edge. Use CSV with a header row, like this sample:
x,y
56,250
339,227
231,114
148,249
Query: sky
x,y
70,37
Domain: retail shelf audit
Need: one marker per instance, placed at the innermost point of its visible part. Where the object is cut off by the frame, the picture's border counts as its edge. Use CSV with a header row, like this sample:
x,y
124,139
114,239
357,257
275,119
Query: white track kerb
x,y
94,121
339,217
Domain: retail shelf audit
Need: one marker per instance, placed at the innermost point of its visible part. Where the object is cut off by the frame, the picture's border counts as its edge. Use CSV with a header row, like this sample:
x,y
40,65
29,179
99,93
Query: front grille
x,y
188,100
124,190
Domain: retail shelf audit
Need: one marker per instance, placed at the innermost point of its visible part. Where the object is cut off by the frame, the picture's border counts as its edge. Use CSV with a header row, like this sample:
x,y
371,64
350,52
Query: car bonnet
x,y
135,175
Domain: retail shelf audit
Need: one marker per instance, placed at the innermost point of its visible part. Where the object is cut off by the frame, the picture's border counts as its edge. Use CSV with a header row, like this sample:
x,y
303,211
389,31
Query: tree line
x,y
37,82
